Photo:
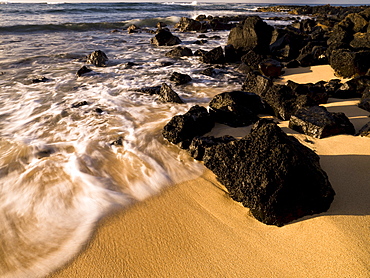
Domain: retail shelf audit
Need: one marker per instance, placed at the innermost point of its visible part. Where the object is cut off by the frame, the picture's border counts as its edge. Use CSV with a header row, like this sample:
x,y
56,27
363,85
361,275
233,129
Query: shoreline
x,y
193,229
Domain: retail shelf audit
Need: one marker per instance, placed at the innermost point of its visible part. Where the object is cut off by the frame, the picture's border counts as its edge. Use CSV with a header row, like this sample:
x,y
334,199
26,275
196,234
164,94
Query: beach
x,y
193,229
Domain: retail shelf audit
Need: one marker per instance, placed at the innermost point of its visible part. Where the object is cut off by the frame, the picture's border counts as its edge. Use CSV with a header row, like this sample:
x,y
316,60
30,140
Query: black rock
x,y
353,88
270,68
187,24
179,51
97,58
209,72
183,128
257,84
293,64
348,63
83,70
317,122
166,94
40,80
118,142
179,78
252,59
200,144
133,29
236,108
200,42
252,34
165,38
231,55
150,90
316,92
79,104
364,131
278,178
215,56
365,100
200,52
361,41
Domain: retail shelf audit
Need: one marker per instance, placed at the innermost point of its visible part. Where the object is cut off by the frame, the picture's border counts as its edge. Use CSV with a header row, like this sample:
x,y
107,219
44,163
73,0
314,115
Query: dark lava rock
x,y
257,84
166,94
252,34
252,59
353,88
209,72
365,131
332,86
270,68
316,92
83,70
365,101
179,78
236,108
133,29
165,38
200,42
215,56
187,24
200,144
317,122
183,128
150,90
97,58
79,104
231,55
179,51
40,80
271,173
361,41
348,63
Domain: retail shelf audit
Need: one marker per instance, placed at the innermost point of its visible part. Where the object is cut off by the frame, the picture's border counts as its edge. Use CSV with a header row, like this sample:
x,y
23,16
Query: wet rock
x,y
179,51
252,59
183,128
200,52
317,122
118,142
97,58
236,108
161,25
270,68
83,71
199,145
278,178
99,110
252,34
187,24
165,38
200,42
40,79
166,94
179,78
133,29
209,72
79,104
150,90
215,56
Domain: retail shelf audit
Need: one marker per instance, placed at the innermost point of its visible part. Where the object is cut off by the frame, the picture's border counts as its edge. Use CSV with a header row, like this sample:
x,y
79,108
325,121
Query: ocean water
x,y
59,171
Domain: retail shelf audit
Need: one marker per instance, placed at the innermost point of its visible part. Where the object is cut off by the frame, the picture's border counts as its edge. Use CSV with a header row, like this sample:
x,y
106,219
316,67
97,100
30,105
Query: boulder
x,y
179,78
271,173
83,71
165,38
365,100
236,108
317,122
183,128
361,41
179,51
209,72
347,63
166,94
187,24
252,34
252,59
231,55
357,22
270,68
97,58
257,84
79,104
215,56
199,145
353,88
364,131
133,29
316,92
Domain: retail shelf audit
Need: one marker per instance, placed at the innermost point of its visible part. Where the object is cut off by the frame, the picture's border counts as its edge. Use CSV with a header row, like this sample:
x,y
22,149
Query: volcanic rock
x,y
200,144
270,68
83,71
166,94
97,58
165,38
179,51
179,78
215,56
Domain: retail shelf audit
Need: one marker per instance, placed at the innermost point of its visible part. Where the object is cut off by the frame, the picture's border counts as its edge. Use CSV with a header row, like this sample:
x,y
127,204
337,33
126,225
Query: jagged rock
x,y
209,72
165,38
348,63
236,108
365,100
179,78
166,94
270,68
150,90
183,128
252,34
133,29
317,122
187,24
316,92
257,84
83,71
97,58
215,56
252,59
79,104
353,88
288,44
360,41
278,178
357,22
364,131
179,51
200,144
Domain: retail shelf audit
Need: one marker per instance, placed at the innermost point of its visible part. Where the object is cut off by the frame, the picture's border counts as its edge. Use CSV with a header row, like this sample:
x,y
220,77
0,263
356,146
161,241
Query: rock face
x,y
317,122
199,145
278,178
183,128
179,78
252,34
166,94
348,63
215,56
97,58
236,108
165,38
179,51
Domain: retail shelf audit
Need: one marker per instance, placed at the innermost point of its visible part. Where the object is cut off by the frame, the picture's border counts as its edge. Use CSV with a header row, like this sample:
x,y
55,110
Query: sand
x,y
194,229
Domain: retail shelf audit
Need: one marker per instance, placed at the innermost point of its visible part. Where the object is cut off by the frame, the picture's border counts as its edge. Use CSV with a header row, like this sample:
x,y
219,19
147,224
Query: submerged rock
x,y
83,71
165,38
318,122
97,58
179,78
179,51
271,173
